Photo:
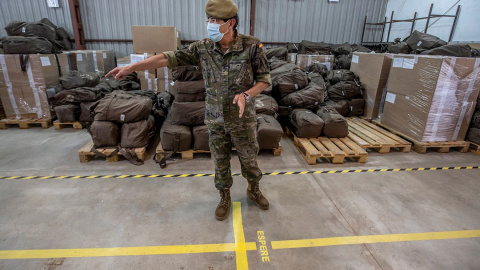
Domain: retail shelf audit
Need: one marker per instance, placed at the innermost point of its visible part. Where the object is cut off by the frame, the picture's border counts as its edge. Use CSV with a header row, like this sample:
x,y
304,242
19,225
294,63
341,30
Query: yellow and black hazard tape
x,y
233,174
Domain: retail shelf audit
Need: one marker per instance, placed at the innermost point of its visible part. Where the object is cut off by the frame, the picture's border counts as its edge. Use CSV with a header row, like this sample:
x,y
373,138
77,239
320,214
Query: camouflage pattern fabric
x,y
227,74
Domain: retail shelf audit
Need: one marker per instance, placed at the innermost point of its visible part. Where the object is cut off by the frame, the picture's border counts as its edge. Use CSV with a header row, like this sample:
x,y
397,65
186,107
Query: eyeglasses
x,y
212,20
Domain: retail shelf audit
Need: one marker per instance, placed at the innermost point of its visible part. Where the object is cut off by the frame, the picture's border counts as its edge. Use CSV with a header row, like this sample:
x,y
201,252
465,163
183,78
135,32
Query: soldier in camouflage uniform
x,y
235,69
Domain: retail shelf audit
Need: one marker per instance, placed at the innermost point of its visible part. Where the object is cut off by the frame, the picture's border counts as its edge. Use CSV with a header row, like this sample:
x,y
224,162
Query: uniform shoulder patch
x,y
260,45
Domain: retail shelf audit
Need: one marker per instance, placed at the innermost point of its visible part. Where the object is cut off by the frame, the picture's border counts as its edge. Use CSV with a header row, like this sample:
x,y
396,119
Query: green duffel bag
x,y
305,124
26,45
419,41
308,98
123,108
344,90
280,53
288,83
335,124
339,75
457,50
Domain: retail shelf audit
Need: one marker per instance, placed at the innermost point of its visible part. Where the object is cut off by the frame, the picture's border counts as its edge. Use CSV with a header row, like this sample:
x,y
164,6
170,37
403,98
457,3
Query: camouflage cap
x,y
221,9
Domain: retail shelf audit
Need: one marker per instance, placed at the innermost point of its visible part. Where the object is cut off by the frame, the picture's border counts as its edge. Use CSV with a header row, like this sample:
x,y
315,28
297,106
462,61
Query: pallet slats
x,y
370,136
59,125
25,123
422,147
475,148
85,153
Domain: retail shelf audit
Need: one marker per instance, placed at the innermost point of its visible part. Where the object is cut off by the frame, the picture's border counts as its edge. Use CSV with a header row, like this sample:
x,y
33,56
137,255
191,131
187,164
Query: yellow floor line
x,y
240,246
370,239
120,251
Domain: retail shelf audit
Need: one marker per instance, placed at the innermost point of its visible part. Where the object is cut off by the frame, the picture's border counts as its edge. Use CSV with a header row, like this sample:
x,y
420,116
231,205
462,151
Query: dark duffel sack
x,y
280,53
281,69
475,123
76,96
187,113
17,28
340,106
26,45
269,132
200,138
143,93
123,108
308,98
67,113
360,48
87,111
309,47
277,63
343,62
419,41
265,105
318,68
398,47
335,124
104,133
187,73
75,79
343,49
317,79
336,76
137,134
305,124
474,135
190,91
356,106
175,138
292,47
288,83
344,90
456,50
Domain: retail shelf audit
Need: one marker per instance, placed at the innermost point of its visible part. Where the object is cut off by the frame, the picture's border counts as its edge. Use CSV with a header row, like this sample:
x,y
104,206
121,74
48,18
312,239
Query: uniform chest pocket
x,y
240,69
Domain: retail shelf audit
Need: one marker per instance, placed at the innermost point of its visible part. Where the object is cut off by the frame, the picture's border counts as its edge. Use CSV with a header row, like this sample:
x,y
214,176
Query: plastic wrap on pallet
x,y
431,98
25,81
99,61
373,70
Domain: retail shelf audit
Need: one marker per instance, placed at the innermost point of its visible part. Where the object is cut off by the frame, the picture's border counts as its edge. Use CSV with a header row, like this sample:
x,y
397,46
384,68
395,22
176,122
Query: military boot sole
x,y
250,195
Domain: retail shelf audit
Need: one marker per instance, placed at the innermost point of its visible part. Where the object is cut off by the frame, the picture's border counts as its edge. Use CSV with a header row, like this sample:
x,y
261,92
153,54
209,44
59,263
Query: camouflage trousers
x,y
244,139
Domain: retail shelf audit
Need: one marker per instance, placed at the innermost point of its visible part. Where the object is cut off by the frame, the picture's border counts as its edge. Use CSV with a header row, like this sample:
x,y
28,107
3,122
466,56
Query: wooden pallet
x,y
475,148
370,136
422,147
188,154
25,123
333,149
59,125
85,153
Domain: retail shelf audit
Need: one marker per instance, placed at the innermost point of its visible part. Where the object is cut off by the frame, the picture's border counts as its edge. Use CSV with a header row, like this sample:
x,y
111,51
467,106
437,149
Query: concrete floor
x,y
64,214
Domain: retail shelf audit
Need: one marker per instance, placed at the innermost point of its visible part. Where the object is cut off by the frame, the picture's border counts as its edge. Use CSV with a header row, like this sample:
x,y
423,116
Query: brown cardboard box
x,y
149,84
305,60
155,39
431,98
164,73
164,85
144,74
292,58
24,93
373,70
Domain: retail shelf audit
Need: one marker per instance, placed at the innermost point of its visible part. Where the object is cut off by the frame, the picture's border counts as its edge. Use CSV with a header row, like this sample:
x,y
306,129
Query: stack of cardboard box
x,y
305,60
149,41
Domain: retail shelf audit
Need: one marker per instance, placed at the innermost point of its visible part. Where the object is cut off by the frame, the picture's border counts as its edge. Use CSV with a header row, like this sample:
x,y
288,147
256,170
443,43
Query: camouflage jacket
x,y
226,75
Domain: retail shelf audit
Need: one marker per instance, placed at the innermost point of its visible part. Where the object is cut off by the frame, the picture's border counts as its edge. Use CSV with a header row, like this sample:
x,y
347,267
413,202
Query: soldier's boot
x,y
254,193
223,207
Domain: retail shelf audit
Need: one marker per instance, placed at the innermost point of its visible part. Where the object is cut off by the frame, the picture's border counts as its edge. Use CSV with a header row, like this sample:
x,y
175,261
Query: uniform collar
x,y
237,45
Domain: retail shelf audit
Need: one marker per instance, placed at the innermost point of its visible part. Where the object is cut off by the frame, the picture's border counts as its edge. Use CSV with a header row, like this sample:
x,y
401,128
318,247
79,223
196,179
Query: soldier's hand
x,y
240,101
118,72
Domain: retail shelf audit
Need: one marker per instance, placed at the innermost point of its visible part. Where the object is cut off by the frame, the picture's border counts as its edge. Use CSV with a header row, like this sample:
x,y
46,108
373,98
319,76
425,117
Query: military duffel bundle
x,y
279,53
308,98
104,134
87,111
344,90
123,108
265,105
67,113
189,91
356,106
269,132
340,106
175,138
187,113
76,96
339,75
26,45
419,41
335,124
18,28
75,79
138,134
305,124
288,83
200,138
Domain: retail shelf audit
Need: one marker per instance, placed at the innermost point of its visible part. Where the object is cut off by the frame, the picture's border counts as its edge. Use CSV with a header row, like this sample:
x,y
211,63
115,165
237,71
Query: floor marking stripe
x,y
236,174
370,239
240,247
121,251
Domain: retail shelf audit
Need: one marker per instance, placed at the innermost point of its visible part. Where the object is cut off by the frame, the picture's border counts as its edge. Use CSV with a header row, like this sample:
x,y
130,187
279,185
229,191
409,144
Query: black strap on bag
x,y
130,155
23,61
98,153
168,154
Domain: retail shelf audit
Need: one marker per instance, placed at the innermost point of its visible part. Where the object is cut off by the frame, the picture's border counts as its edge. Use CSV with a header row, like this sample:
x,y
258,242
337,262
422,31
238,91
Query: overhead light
x,y
53,3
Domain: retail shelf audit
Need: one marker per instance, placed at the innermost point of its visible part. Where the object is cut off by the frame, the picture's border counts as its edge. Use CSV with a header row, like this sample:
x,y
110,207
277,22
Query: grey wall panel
x,y
32,11
314,20
112,19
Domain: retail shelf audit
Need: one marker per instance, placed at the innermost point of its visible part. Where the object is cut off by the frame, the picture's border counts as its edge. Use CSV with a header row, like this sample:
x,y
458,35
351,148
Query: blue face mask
x,y
213,30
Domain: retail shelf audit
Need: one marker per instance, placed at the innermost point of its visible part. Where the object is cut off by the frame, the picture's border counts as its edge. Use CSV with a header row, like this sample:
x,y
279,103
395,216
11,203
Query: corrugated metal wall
x,y
112,19
275,20
32,11
316,20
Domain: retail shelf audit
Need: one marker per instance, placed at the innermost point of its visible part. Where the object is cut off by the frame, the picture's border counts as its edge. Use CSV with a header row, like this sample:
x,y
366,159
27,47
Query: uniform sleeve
x,y
261,68
185,57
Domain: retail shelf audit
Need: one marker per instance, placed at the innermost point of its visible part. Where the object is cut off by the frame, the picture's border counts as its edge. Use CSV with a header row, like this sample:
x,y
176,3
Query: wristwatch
x,y
247,96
